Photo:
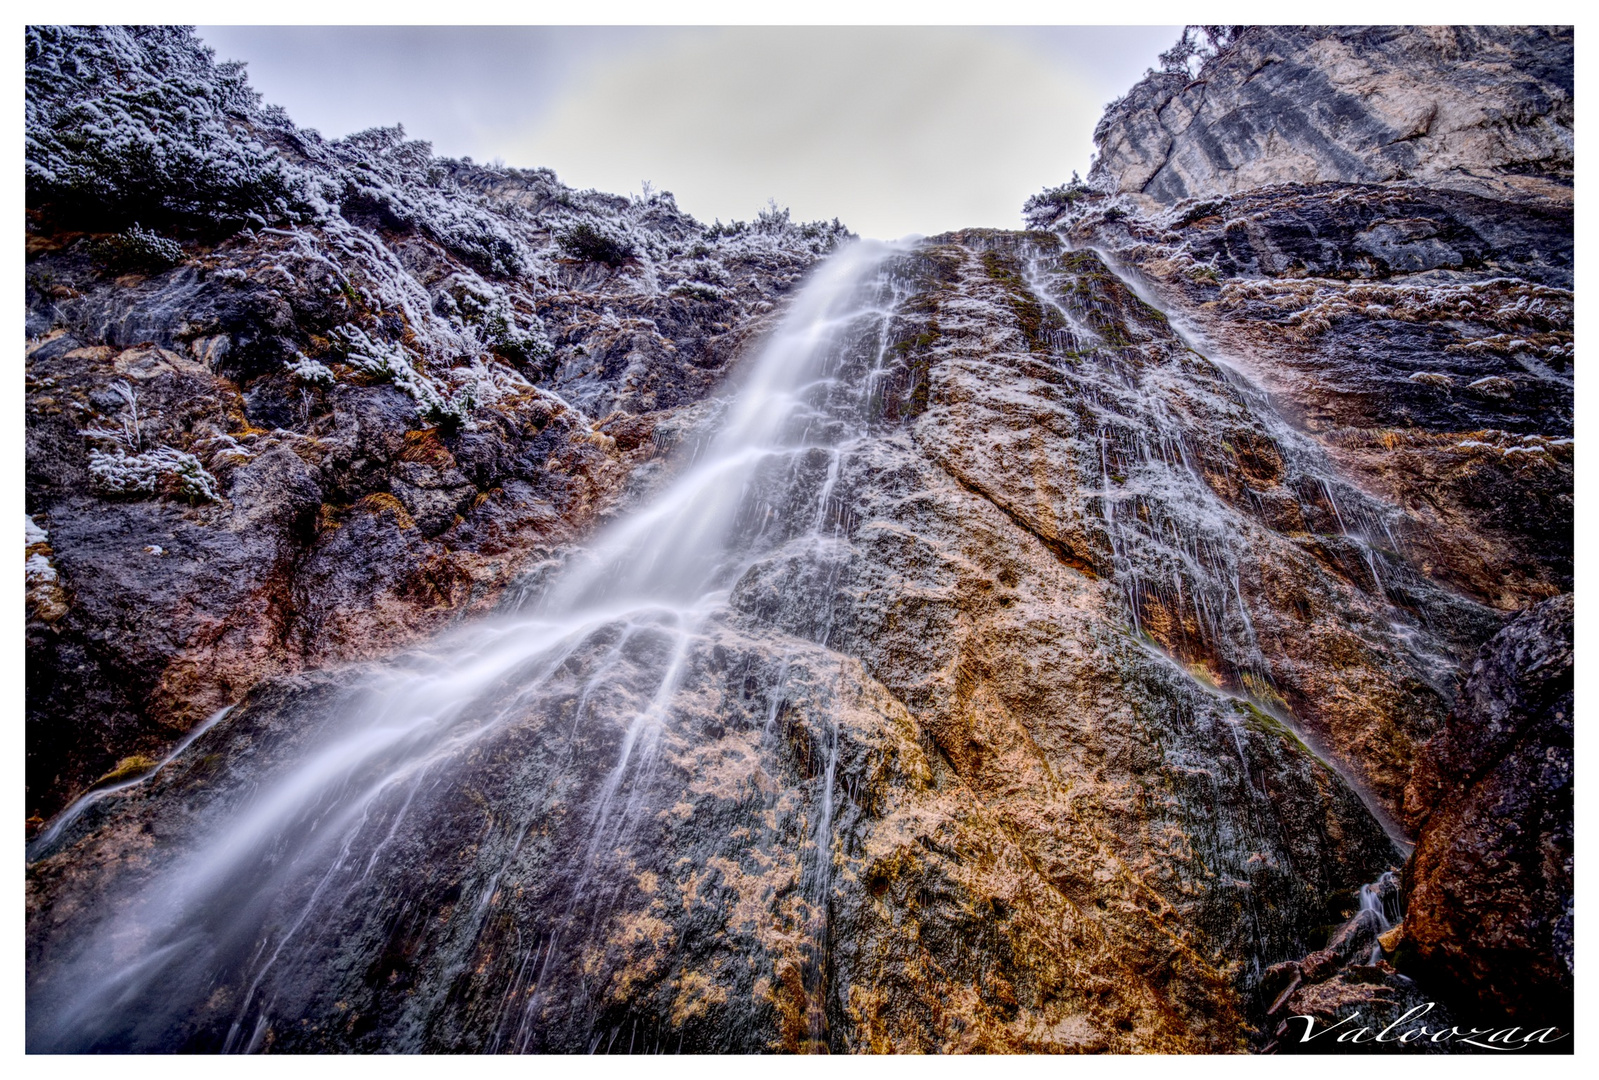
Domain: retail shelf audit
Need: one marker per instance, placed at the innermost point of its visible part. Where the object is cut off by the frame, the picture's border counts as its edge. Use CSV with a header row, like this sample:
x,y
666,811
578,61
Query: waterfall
x,y
233,913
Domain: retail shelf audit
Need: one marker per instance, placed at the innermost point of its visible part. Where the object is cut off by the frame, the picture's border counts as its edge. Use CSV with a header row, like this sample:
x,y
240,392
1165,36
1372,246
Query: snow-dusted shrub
x,y
383,360
487,310
593,242
311,371
160,471
136,249
127,434
1044,209
389,361
140,123
381,173
697,290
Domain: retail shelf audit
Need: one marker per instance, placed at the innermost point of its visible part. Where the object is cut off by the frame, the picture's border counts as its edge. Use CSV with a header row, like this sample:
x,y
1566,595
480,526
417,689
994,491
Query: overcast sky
x,y
893,130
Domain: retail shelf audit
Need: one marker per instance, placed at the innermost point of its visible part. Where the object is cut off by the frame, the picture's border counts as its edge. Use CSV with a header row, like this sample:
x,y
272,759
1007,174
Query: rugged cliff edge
x,y
1092,645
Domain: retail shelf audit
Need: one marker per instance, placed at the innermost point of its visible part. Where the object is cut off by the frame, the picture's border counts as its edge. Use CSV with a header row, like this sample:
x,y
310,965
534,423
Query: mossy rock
x,y
130,767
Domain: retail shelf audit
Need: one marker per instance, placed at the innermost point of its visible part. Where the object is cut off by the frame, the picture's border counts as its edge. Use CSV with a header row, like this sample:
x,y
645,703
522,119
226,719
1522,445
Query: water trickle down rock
x,y
1057,696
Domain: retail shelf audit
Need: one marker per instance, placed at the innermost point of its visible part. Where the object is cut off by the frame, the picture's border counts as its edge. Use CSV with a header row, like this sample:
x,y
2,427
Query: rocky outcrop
x,y
1438,377
1406,302
1490,887
1487,109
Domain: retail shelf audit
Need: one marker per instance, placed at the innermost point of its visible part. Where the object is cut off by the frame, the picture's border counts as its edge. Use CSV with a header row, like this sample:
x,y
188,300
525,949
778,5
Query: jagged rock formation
x,y
341,429
1086,654
1487,109
1440,379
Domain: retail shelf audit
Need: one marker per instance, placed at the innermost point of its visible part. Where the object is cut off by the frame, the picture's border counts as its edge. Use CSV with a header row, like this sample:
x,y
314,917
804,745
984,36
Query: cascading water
x,y
237,919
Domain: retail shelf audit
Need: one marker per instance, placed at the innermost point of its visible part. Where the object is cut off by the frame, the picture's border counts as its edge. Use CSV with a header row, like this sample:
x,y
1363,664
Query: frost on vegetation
x,y
137,249
379,173
38,572
1493,386
221,449
595,242
1043,210
125,124
486,313
448,399
311,371
1557,346
127,434
136,124
1196,47
130,123
160,471
36,549
128,469
1432,378
773,233
1537,449
1310,305
41,583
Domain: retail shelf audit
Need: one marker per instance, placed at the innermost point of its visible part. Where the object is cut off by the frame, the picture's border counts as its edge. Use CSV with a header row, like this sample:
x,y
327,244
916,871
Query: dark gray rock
x,y
1490,885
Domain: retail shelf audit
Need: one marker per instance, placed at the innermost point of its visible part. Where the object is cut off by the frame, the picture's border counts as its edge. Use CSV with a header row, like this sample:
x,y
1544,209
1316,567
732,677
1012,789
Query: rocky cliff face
x,y
1044,826
1482,109
1077,645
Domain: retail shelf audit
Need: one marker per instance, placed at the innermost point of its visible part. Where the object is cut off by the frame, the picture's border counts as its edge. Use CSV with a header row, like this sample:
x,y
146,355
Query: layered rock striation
x,y
1487,109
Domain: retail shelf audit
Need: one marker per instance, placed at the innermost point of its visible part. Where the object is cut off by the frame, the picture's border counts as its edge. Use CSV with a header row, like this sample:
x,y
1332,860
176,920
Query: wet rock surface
x,y
1490,888
1044,825
1419,330
1448,393
1093,639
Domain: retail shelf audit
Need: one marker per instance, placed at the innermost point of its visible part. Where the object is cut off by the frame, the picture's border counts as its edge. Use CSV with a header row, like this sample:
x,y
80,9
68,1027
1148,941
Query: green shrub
x,y
138,250
585,241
